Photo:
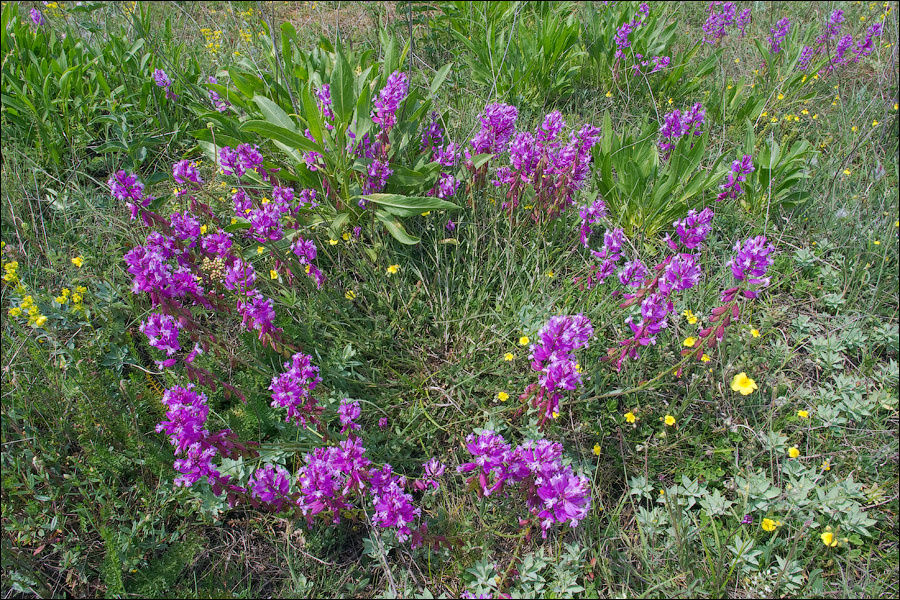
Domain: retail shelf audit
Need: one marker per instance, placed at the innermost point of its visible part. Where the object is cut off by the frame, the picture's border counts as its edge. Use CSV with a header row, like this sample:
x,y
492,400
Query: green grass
x,y
88,502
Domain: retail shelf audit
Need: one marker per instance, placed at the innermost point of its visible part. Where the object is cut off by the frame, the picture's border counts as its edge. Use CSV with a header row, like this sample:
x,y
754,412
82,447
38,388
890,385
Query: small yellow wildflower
x,y
524,341
597,450
781,96
804,112
346,236
670,101
854,129
876,242
826,466
874,123
770,524
803,414
15,311
793,452
393,269
670,420
764,113
689,342
233,220
705,358
273,274
743,384
691,317
555,415
551,274
332,242
426,213
350,295
508,357
78,261
39,322
609,94
630,417
816,116
846,171
754,332
828,539
737,61
502,396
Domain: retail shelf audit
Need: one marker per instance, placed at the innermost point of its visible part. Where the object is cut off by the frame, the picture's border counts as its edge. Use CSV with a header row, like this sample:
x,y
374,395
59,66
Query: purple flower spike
x,y
272,484
752,261
348,412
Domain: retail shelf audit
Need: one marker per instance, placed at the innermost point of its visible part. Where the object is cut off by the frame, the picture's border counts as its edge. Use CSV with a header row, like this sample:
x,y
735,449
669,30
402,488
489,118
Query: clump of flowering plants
x,y
357,133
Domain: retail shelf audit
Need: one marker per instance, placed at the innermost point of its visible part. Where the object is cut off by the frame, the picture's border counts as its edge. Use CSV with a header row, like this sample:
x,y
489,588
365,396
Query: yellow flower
x,y
597,450
78,261
816,116
15,311
203,229
502,396
828,539
233,220
793,452
670,420
273,274
691,317
781,96
555,415
689,342
854,128
426,213
259,249
670,101
737,61
551,274
876,242
508,356
705,358
346,236
874,123
523,341
332,242
754,332
764,114
743,384
846,171
804,112
350,295
769,525
630,417
40,321
609,94
803,414
826,466
393,269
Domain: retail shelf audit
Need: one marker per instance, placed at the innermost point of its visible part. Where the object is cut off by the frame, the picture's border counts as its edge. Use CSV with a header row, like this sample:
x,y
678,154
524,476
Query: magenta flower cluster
x,y
554,358
446,156
677,124
388,101
738,174
591,214
37,17
777,35
293,388
162,333
626,29
721,15
498,123
126,188
751,262
555,169
271,484
163,81
553,493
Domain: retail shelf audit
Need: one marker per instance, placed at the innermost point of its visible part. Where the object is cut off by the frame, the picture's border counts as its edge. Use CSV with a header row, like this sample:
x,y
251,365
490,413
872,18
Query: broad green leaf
x,y
439,78
342,99
396,229
421,203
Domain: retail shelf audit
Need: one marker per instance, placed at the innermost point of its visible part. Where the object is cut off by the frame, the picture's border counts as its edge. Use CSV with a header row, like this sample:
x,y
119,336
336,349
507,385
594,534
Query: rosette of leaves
x,y
285,113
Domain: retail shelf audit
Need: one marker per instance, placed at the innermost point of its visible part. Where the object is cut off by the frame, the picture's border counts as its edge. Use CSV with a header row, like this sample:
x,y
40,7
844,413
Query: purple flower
x,y
432,136
434,469
162,332
163,81
778,33
550,128
752,260
185,172
865,46
844,44
265,222
378,172
565,497
37,17
743,20
185,227
187,413
217,101
633,274
393,506
621,37
806,56
553,357
591,214
498,123
739,171
677,124
489,451
747,520
681,273
348,412
216,243
323,98
127,188
240,277
272,484
293,388
389,99
240,160
382,422
716,22
331,478
257,312
693,229
833,29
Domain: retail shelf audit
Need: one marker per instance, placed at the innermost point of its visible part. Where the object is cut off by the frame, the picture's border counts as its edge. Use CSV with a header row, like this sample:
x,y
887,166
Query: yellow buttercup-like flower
x,y
508,356
689,342
691,317
502,396
754,332
803,414
705,358
630,417
769,524
597,450
670,420
828,539
743,384
78,261
393,269
523,341
793,452
273,274
350,295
